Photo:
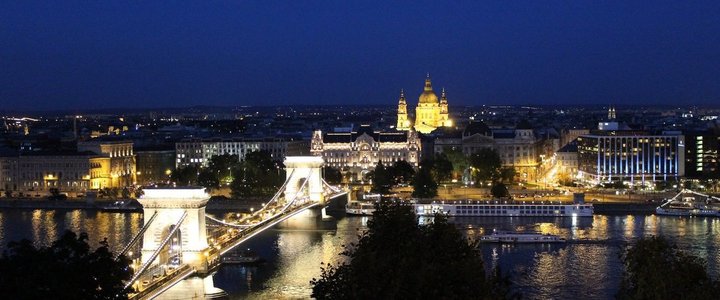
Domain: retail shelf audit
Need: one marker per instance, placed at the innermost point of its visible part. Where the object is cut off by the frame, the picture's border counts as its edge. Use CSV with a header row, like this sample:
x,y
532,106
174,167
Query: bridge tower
x,y
304,168
184,206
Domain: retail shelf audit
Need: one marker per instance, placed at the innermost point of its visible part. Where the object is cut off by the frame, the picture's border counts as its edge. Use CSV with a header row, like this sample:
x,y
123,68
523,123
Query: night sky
x,y
63,55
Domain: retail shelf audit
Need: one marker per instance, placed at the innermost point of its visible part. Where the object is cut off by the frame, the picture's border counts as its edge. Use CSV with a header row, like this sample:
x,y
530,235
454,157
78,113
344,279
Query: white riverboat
x,y
360,208
493,209
706,206
521,238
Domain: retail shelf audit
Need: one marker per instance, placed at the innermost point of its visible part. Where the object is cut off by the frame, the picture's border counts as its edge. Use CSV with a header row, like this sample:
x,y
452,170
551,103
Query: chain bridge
x,y
176,242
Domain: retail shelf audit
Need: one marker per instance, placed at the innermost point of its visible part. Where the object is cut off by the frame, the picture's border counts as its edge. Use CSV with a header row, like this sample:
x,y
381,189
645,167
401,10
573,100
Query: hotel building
x,y
360,151
607,156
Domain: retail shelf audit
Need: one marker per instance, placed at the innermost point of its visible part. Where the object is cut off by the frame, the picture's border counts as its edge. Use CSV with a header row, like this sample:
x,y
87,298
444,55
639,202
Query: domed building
x,y
430,112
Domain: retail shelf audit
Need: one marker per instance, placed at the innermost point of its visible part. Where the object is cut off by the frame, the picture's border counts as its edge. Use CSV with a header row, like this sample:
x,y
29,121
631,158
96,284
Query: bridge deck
x,y
223,244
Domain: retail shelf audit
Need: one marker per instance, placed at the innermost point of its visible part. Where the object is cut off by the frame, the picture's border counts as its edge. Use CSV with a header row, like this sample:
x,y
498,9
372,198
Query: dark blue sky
x,y
58,54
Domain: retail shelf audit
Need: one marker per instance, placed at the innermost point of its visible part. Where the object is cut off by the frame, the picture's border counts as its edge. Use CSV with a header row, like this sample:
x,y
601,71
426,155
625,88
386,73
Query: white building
x,y
199,151
361,150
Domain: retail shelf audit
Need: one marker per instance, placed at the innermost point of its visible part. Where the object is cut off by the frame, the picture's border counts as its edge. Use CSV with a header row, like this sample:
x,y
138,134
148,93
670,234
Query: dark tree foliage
x,y
499,190
424,185
67,269
458,160
221,166
507,174
402,171
187,175
382,179
398,259
442,168
257,176
486,164
332,175
208,179
655,269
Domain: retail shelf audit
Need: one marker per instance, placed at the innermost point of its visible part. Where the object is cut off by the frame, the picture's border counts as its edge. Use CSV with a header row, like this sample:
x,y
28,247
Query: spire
x,y
443,97
428,84
402,96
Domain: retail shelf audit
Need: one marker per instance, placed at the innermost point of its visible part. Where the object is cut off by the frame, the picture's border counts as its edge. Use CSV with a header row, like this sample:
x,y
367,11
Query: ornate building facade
x,y
359,151
520,147
429,113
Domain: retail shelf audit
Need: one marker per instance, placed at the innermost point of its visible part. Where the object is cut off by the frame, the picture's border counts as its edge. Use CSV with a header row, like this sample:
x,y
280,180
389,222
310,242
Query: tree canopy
x,y
382,179
499,190
424,185
398,259
68,269
442,168
258,175
402,171
486,164
655,269
332,175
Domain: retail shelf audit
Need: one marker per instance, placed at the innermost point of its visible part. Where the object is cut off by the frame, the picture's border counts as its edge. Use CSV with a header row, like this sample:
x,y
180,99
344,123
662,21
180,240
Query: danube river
x,y
589,267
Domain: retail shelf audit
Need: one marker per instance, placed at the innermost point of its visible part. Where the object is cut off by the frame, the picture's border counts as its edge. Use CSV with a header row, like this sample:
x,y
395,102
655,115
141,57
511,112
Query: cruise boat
x,y
521,238
360,208
246,257
494,209
690,206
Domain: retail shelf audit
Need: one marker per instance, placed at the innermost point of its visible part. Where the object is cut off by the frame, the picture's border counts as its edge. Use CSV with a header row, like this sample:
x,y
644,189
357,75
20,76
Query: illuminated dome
x,y
428,96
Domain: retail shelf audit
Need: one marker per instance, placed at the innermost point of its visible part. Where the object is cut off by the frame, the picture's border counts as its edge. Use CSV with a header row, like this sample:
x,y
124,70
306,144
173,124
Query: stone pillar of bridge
x,y
301,168
170,204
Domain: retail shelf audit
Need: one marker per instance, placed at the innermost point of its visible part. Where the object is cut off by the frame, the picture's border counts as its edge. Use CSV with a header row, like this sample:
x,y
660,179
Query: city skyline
x,y
109,55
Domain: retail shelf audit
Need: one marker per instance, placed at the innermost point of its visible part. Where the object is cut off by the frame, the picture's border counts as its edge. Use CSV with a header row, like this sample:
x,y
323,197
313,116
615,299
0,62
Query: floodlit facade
x,y
117,167
430,112
630,156
361,150
198,152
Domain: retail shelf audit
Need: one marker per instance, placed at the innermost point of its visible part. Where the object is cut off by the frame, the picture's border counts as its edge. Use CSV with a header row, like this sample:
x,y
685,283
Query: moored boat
x,y
521,238
706,206
360,208
245,257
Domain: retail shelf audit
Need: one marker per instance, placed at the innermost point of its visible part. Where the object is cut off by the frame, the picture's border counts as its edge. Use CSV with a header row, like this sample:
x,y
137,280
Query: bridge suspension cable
x,y
139,235
147,263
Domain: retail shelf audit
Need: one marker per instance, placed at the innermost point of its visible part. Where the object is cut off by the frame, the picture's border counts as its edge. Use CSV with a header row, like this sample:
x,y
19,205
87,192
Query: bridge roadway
x,y
164,277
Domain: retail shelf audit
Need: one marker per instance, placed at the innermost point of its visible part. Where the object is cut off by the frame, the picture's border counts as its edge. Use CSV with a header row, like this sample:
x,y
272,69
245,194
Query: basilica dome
x,y
428,96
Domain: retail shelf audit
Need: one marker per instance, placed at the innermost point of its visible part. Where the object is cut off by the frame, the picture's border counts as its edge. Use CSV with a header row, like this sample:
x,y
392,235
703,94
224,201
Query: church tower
x,y
430,112
402,122
444,116
427,112
611,113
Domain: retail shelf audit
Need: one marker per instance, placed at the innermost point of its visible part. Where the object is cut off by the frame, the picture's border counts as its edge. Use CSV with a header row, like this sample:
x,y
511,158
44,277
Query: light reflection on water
x,y
45,226
294,253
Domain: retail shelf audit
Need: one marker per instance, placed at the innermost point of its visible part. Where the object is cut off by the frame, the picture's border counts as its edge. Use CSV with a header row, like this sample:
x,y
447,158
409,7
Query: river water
x,y
589,268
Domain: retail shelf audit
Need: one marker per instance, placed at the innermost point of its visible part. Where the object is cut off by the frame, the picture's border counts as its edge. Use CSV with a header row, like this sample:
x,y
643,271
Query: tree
x,y
458,160
507,174
486,164
442,168
424,185
221,166
67,269
499,190
398,259
187,175
655,269
208,179
382,179
257,176
332,175
402,172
